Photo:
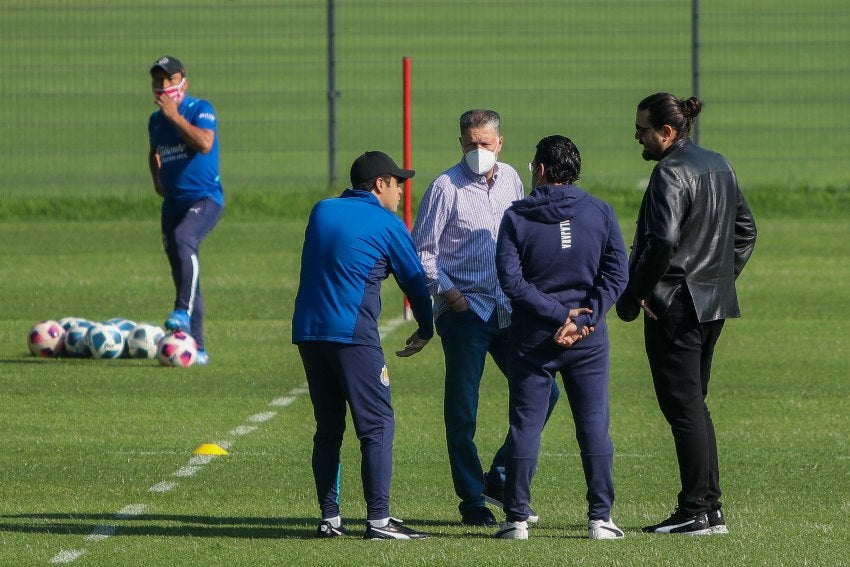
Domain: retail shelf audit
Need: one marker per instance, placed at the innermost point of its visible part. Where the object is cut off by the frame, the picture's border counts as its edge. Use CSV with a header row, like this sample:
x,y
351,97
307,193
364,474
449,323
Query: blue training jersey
x,y
187,175
351,245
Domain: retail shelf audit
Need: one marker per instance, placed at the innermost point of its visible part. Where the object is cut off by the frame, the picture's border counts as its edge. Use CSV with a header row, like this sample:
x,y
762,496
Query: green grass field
x,y
96,464
85,441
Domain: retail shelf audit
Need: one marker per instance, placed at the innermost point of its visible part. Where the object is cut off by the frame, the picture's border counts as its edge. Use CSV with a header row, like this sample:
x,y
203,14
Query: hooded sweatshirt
x,y
558,249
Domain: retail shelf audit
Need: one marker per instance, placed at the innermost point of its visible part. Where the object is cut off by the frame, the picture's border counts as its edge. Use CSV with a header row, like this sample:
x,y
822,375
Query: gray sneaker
x,y
604,529
513,530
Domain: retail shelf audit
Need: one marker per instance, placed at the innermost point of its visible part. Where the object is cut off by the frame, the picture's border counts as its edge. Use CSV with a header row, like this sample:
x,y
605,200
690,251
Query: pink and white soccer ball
x,y
105,341
46,339
143,340
177,349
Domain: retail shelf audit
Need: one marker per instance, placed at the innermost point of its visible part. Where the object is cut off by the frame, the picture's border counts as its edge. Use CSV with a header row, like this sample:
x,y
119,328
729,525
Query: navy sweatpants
x,y
466,340
182,234
585,373
340,374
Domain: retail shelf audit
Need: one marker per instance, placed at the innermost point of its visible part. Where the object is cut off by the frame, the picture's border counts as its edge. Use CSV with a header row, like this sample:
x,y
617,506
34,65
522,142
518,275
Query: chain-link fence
x,y
774,77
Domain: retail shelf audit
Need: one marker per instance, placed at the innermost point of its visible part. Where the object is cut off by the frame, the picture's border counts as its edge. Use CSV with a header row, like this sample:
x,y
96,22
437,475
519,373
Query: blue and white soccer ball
x,y
126,327
105,341
68,322
75,339
142,340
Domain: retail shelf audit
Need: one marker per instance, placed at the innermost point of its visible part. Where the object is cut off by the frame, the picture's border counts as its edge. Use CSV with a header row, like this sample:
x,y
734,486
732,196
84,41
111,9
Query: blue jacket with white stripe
x,y
351,245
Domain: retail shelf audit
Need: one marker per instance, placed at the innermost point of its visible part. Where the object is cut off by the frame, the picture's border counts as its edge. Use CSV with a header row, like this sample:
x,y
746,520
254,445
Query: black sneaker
x,y
494,493
717,522
681,524
393,530
481,516
326,529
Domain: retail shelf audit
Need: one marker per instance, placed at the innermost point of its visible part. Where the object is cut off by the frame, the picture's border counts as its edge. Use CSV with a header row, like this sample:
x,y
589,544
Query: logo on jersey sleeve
x,y
385,376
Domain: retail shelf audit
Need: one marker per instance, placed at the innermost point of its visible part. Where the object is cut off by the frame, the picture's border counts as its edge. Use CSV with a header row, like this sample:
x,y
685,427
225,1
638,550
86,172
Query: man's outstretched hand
x,y
414,345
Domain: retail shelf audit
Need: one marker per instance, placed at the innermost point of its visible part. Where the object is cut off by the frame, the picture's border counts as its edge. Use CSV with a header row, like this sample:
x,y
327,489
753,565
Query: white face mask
x,y
175,93
480,160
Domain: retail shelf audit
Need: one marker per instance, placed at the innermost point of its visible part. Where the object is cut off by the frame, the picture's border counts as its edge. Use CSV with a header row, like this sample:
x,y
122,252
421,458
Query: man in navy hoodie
x,y
562,262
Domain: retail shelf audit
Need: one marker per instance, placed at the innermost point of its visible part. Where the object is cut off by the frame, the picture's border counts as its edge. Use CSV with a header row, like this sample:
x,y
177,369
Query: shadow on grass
x,y
167,525
160,525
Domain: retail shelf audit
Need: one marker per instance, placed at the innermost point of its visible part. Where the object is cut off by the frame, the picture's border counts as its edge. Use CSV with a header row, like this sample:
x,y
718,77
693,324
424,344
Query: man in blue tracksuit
x,y
184,166
352,243
562,262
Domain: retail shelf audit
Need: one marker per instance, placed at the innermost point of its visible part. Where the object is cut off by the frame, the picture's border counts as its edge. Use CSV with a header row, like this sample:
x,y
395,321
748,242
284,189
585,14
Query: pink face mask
x,y
175,93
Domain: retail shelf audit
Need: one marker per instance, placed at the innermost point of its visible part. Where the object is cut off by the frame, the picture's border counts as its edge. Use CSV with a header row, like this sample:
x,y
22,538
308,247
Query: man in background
x,y
184,166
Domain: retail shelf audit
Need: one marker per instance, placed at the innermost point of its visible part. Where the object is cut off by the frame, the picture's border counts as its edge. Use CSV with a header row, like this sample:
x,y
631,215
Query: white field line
x,y
99,533
67,556
162,487
242,430
196,464
130,511
262,417
282,402
187,471
201,460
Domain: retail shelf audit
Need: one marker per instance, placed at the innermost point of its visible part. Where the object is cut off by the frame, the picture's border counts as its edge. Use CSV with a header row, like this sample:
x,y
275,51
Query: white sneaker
x,y
513,530
604,529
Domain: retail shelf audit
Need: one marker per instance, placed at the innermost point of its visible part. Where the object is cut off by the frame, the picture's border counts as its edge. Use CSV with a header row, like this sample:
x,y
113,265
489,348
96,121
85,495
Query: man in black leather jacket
x,y
694,234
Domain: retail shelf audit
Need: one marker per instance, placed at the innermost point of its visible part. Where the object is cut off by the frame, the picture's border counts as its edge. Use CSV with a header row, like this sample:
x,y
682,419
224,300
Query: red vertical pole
x,y
408,184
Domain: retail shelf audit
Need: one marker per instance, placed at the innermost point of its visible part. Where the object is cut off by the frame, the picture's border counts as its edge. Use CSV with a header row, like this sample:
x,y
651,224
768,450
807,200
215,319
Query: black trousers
x,y
680,350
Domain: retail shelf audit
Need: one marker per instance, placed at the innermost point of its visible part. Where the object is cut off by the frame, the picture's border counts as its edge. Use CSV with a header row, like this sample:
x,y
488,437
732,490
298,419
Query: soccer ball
x,y
177,349
142,340
68,322
75,339
126,326
105,341
45,339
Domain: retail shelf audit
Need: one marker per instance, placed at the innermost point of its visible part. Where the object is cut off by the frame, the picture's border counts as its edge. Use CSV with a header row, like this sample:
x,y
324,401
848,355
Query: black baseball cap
x,y
374,164
168,64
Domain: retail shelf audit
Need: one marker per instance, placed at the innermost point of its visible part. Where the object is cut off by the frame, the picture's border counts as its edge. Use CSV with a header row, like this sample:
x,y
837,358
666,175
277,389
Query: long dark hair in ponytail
x,y
665,108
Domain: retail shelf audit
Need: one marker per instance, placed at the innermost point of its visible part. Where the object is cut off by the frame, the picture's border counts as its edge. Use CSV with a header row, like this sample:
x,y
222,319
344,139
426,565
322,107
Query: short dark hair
x,y
369,183
665,108
479,118
561,157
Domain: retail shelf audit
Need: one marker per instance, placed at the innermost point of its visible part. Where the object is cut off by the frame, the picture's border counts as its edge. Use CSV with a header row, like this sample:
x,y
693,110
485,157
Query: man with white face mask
x,y
184,167
455,236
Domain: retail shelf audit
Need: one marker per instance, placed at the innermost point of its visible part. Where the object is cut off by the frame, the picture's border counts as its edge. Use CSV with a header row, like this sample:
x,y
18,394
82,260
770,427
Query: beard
x,y
650,154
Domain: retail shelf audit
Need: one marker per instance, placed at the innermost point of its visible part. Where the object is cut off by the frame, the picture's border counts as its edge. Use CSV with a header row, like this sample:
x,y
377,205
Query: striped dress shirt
x,y
455,235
